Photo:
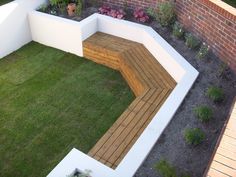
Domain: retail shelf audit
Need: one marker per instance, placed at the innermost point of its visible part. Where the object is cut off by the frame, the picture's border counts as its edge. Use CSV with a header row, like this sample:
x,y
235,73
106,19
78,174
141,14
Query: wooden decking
x,y
223,163
148,80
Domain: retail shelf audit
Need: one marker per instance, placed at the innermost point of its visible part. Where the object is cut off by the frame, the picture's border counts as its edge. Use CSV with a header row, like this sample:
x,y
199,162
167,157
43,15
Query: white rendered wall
x,y
14,26
183,73
61,33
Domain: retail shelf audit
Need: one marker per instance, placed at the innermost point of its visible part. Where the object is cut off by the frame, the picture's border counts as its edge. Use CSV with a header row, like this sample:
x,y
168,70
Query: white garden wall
x,y
16,30
68,35
14,26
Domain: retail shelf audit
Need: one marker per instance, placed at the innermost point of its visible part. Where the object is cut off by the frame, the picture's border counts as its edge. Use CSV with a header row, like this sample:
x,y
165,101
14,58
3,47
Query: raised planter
x,y
68,35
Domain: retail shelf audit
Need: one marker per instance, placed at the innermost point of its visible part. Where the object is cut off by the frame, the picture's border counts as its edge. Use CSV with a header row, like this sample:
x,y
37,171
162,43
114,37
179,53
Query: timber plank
x,y
148,80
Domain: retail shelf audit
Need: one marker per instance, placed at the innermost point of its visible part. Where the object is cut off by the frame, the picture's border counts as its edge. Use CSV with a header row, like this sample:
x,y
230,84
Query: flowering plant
x,y
202,53
140,15
107,10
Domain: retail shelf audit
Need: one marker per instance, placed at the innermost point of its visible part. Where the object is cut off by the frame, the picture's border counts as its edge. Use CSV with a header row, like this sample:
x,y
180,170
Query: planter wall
x,y
14,26
68,35
213,21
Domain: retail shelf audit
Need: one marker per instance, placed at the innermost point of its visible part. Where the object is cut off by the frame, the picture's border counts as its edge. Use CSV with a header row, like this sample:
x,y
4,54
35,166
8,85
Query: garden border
x,y
72,33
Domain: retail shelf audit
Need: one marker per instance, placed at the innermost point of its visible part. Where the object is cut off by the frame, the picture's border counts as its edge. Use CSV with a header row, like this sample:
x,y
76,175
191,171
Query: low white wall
x,y
183,73
61,33
14,26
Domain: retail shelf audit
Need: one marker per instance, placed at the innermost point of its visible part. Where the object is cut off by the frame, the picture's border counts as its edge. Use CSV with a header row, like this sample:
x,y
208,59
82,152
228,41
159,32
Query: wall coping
x,y
221,8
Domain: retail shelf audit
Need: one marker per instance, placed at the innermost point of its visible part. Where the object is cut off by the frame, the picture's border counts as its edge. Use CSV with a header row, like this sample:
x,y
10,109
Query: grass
x,y
231,2
4,2
52,101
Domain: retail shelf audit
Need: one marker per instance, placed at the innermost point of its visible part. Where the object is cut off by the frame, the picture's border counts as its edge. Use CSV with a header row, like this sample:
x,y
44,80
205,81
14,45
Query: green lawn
x,y
4,1
50,102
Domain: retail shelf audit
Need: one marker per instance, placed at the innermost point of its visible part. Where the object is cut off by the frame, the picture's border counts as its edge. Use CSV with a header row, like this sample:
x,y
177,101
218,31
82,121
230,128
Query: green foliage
x,y
58,2
43,7
194,136
79,7
152,12
4,1
62,6
178,30
203,51
191,41
185,175
166,13
165,169
222,69
203,113
54,2
216,94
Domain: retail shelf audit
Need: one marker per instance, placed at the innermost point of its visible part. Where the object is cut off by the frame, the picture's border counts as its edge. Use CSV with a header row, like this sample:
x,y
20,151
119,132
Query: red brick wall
x,y
209,21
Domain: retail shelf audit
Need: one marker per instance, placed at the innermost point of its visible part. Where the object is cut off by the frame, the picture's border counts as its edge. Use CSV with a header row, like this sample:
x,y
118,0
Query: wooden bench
x,y
148,80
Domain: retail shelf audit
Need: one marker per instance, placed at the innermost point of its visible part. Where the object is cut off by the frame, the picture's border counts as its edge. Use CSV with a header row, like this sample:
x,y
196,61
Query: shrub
x,y
216,94
203,113
140,15
106,10
152,12
178,30
194,136
165,169
54,2
79,7
166,13
191,41
204,49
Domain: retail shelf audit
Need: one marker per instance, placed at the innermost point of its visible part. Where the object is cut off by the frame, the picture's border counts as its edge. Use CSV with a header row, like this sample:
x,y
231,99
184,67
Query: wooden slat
x,y
223,168
223,162
148,80
215,173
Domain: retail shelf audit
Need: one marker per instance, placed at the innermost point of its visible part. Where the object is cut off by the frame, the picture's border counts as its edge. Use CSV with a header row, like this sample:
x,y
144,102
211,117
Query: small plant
x,y
203,113
152,12
79,7
204,49
140,15
222,69
178,30
191,41
43,7
165,169
166,13
54,2
120,14
62,7
194,136
216,94
106,10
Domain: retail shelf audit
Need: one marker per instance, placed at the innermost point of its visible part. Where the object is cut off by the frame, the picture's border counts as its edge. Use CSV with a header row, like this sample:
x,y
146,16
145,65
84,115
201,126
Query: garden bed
x,y
51,102
171,146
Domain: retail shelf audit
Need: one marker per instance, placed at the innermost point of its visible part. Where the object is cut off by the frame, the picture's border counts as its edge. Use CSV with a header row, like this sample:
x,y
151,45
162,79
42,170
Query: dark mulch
x,y
171,145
